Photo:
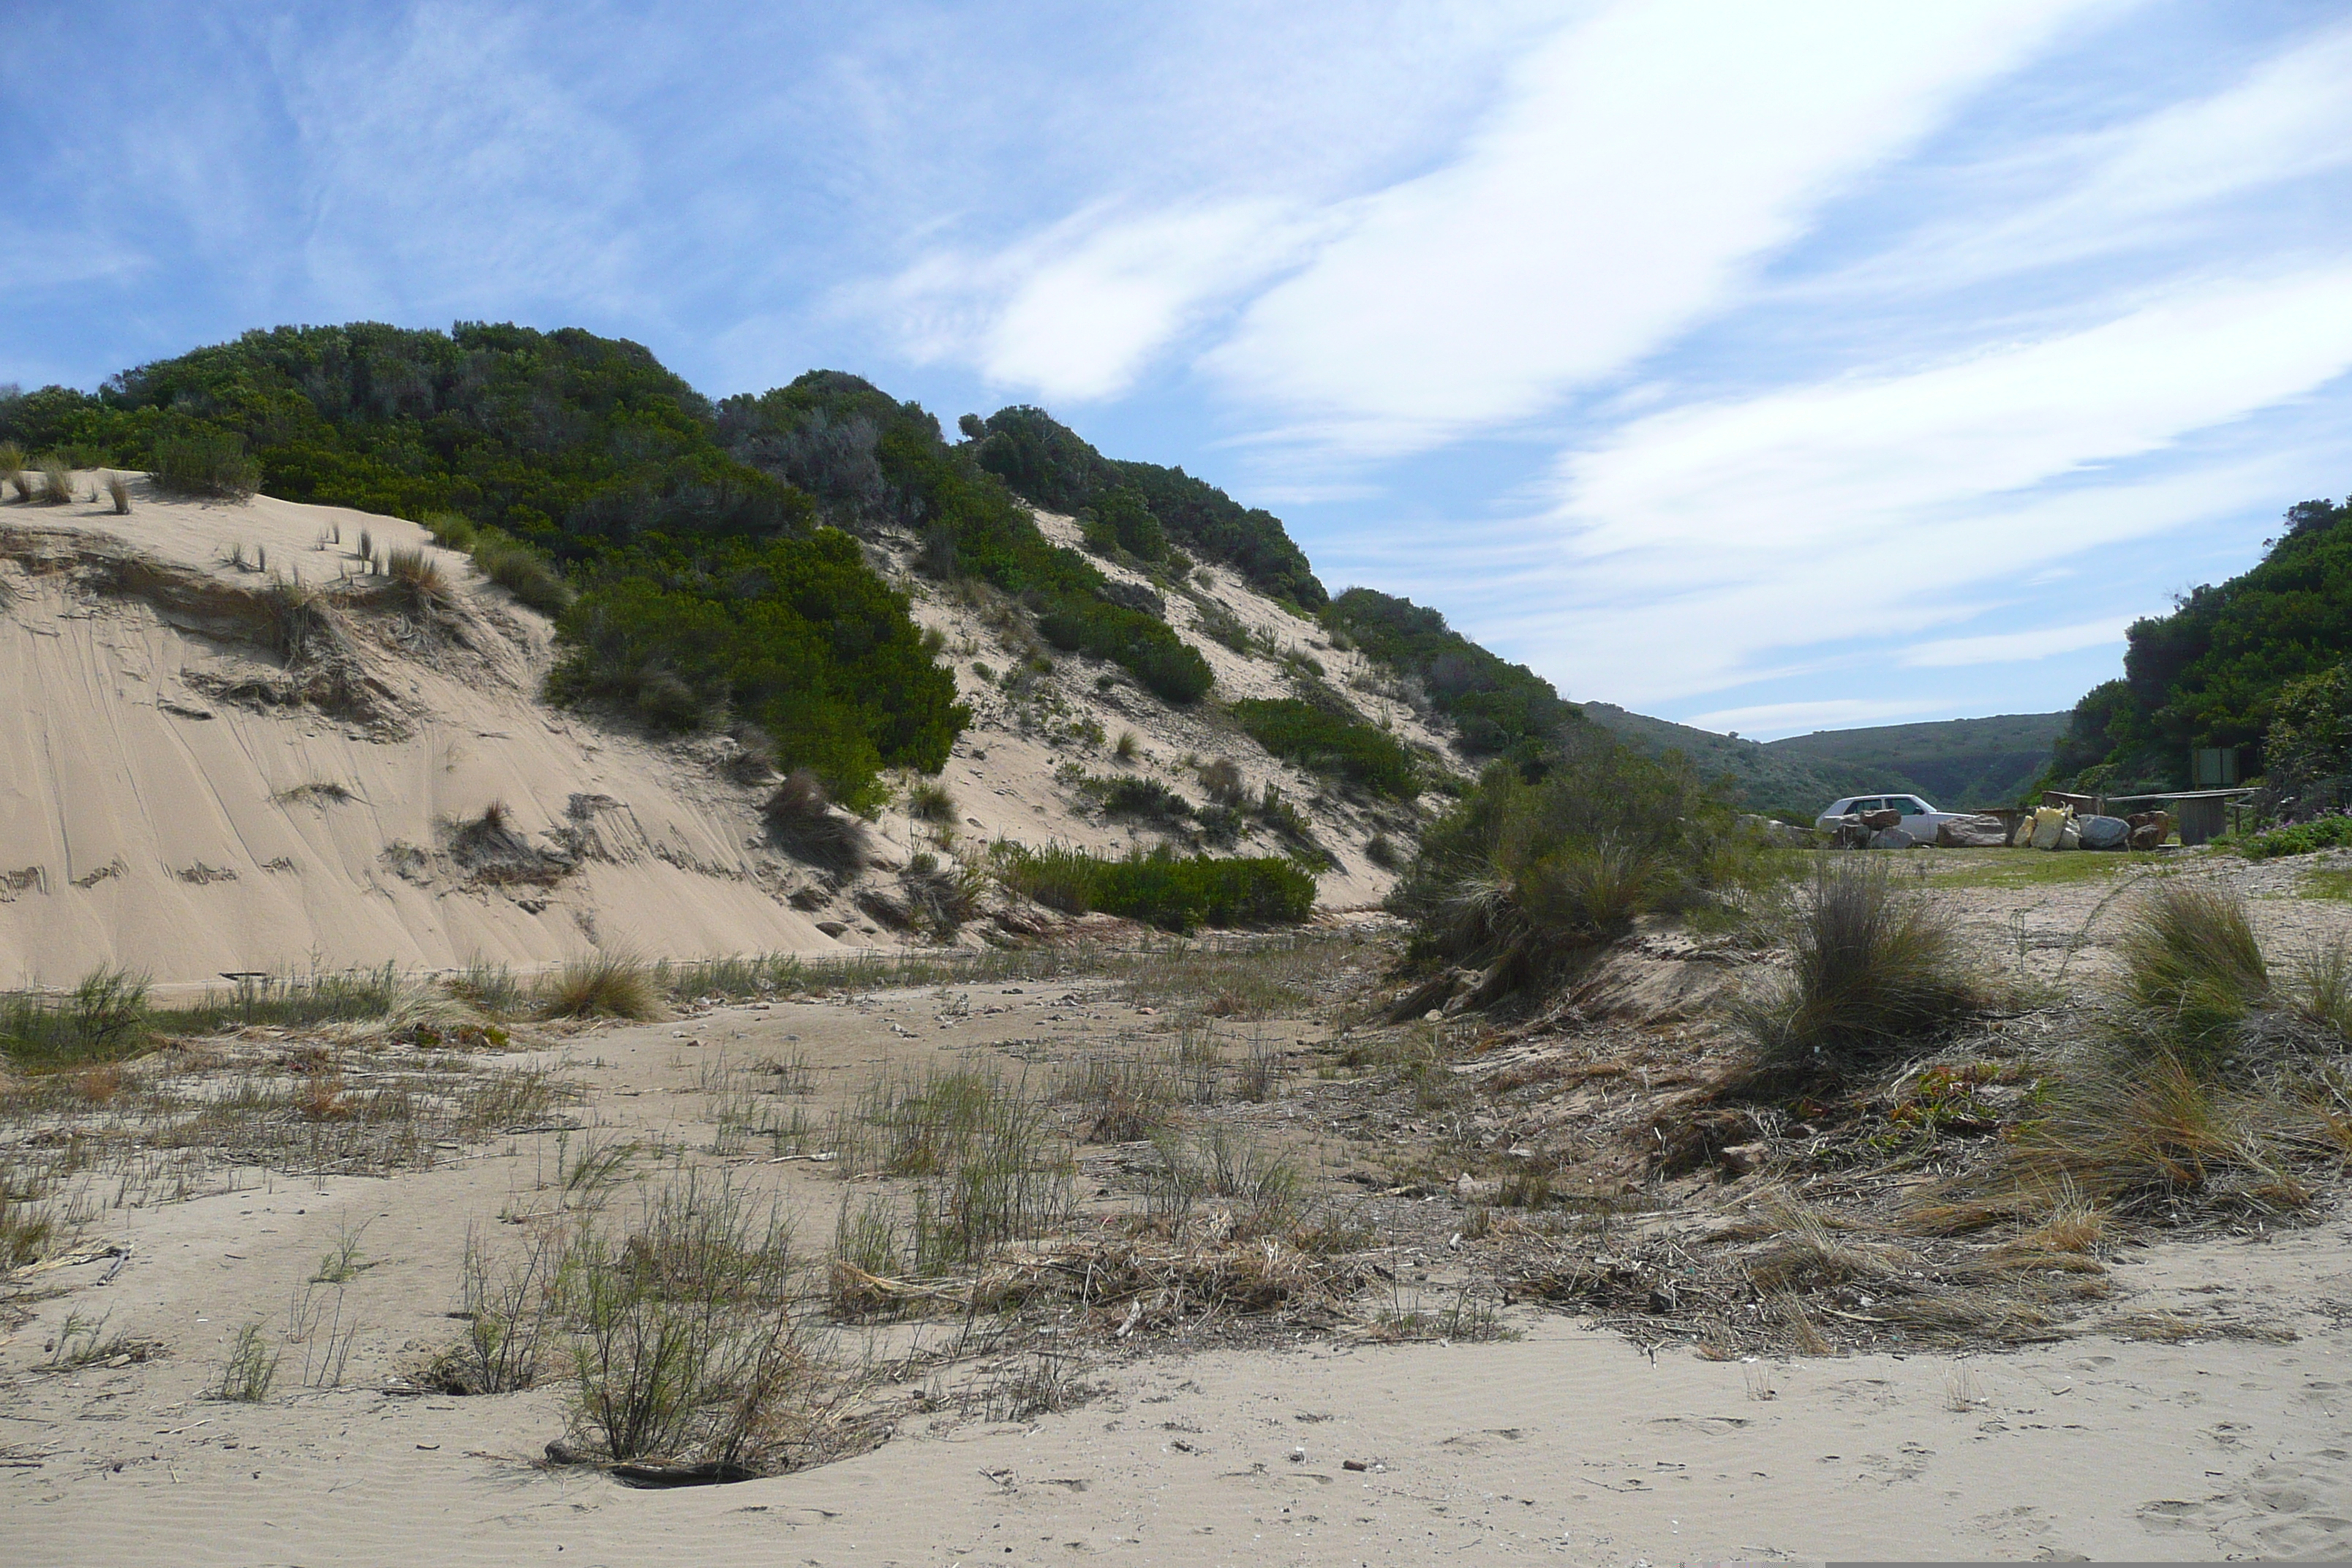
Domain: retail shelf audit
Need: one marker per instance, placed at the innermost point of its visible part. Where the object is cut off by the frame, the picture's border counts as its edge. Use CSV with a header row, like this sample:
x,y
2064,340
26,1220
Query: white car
x,y
1919,819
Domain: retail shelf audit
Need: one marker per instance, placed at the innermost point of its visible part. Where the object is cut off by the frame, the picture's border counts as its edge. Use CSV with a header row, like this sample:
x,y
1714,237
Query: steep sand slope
x,y
159,808
183,791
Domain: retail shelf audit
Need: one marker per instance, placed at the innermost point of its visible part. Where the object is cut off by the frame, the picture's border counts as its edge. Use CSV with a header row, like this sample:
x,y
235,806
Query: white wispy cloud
x,y
1076,310
1639,168
2178,173
2012,648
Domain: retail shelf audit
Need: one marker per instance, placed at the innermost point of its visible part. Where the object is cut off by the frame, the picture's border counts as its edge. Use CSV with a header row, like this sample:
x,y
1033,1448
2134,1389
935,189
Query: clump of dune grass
x,y
2318,990
1874,974
601,985
682,1350
105,1015
521,571
26,1231
251,1369
418,577
12,469
118,490
56,482
1121,1098
927,800
2193,973
804,820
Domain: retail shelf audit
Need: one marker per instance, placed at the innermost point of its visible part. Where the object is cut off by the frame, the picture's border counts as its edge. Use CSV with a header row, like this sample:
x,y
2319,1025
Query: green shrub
x,y
1500,708
1326,742
2333,831
204,463
1528,872
2192,971
1163,661
1873,974
1162,889
796,636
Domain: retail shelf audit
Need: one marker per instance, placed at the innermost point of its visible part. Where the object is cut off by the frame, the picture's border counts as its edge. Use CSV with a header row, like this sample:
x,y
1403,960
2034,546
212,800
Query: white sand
x,y
144,821
1566,1445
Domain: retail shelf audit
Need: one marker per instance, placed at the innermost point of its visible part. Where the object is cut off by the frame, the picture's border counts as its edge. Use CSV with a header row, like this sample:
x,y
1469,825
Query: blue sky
x,y
1768,367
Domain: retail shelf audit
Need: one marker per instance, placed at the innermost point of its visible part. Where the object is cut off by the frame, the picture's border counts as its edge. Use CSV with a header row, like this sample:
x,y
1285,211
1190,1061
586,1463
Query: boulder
x,y
2149,829
2104,832
1875,820
1973,833
1891,837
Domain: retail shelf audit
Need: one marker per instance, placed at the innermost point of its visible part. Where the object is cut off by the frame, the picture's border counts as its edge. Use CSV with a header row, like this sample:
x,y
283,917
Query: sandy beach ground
x,y
1565,1443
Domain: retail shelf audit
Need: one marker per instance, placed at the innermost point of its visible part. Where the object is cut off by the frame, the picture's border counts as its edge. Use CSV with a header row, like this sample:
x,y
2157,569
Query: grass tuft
x,y
801,818
2193,970
601,985
1873,974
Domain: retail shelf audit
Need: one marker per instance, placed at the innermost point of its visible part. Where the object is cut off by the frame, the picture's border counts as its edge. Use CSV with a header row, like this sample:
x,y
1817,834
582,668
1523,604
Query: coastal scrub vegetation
x,y
694,587
1055,467
1174,892
2223,668
1502,708
1328,742
1538,866
871,460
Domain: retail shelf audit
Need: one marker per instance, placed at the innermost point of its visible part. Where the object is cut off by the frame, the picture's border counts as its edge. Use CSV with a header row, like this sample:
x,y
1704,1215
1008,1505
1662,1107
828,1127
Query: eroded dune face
x,y
205,768
229,745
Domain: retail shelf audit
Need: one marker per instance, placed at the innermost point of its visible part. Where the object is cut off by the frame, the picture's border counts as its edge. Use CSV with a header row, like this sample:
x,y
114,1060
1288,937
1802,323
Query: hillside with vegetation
x,y
1957,762
2213,673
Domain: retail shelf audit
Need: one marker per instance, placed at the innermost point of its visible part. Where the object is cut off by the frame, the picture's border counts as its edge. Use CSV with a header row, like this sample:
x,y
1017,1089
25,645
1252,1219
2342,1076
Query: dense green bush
x,y
1120,519
1501,708
2330,832
1176,893
1164,662
195,462
1055,467
2212,672
1527,872
1326,743
794,635
2310,736
885,460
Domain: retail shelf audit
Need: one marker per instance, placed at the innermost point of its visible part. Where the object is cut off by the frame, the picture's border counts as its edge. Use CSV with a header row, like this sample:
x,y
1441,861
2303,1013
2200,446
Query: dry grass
x,y
601,985
419,578
1874,974
803,821
2193,970
118,490
56,482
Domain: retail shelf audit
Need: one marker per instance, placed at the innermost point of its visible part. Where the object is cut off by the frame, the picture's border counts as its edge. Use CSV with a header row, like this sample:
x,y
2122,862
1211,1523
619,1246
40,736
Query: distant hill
x,y
1956,763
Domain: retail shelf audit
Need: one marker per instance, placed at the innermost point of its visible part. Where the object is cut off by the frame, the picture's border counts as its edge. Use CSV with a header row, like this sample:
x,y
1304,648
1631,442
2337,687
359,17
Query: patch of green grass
x,y
2335,882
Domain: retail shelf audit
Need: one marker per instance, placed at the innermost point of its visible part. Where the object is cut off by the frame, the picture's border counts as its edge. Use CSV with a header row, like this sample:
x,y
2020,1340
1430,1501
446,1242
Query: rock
x,y
1891,837
2104,832
834,929
1973,833
2150,836
1875,820
1740,1159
